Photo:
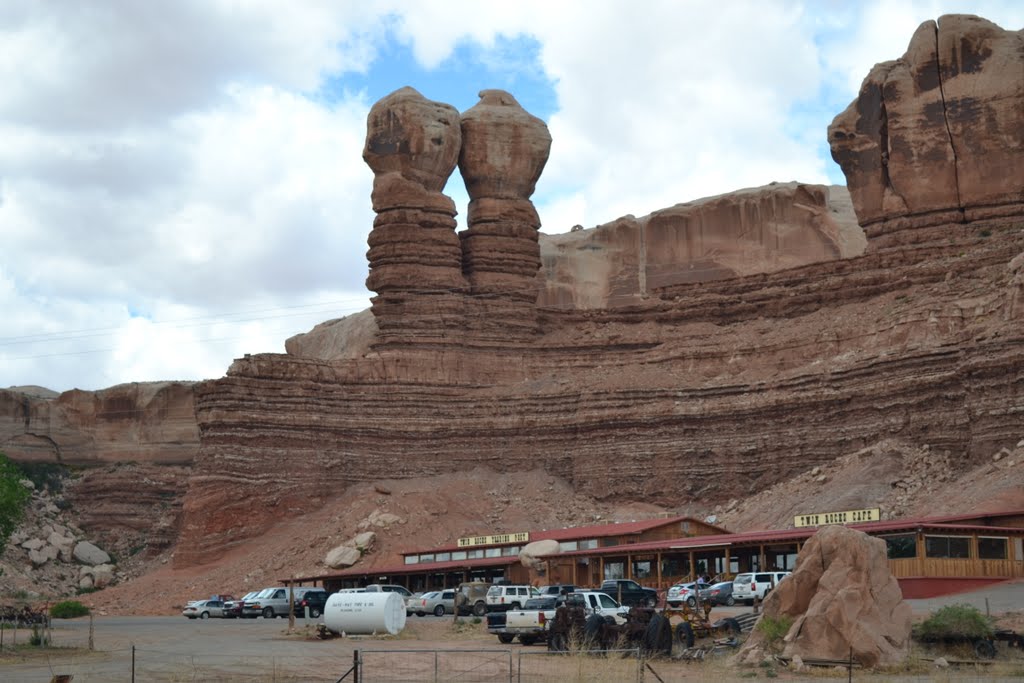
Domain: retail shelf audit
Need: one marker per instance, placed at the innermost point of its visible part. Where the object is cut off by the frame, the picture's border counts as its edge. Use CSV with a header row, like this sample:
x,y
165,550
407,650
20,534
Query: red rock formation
x,y
504,150
412,146
758,230
749,379
937,136
142,422
843,601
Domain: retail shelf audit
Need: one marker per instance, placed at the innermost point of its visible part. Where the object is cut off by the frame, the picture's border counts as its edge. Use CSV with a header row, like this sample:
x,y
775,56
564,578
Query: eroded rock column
x,y
412,146
504,149
937,136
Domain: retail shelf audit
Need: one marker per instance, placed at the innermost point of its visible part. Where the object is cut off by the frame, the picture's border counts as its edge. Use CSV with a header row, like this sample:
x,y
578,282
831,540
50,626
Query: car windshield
x,y
265,593
541,603
430,595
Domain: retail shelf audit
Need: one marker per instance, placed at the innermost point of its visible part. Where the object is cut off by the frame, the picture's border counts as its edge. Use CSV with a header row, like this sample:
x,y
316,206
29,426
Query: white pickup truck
x,y
530,624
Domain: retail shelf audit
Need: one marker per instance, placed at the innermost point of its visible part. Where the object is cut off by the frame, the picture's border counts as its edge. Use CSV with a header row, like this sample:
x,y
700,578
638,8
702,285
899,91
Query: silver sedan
x,y
204,609
438,603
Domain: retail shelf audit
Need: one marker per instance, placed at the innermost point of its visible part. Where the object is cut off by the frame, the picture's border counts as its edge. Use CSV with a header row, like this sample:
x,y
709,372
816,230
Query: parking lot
x,y
175,648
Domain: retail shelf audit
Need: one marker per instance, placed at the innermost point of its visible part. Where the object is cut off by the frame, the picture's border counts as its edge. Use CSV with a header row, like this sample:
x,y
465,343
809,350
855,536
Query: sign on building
x,y
497,539
843,517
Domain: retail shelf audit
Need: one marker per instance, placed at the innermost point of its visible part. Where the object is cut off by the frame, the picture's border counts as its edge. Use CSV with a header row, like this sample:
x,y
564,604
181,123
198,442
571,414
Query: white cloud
x,y
181,182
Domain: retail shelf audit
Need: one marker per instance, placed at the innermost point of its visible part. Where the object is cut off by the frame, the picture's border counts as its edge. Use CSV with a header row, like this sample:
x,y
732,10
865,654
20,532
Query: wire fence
x,y
497,666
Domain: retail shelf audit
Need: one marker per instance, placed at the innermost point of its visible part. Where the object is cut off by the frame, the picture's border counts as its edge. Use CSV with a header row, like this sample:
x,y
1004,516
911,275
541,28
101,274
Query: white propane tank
x,y
365,613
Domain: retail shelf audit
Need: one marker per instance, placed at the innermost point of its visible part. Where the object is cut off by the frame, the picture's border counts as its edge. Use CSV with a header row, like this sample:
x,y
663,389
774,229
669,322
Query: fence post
x,y
435,666
510,669
92,643
3,625
133,662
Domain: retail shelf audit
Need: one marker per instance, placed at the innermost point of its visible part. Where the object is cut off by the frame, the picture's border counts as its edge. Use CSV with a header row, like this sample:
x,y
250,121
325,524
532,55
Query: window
x,y
412,559
614,570
566,546
443,557
901,547
492,552
459,555
588,544
475,554
642,569
510,551
427,558
607,602
954,547
992,548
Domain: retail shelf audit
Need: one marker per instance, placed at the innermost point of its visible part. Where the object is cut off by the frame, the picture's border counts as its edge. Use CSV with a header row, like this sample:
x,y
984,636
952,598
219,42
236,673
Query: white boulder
x,y
87,553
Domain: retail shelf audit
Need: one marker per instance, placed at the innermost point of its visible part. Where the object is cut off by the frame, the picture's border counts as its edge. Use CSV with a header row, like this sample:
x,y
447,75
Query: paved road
x,y
998,598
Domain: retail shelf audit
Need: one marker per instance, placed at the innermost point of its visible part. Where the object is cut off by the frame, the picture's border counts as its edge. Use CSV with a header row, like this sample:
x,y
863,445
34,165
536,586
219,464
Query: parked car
x,y
438,603
471,598
755,585
389,588
719,594
314,600
630,593
683,592
204,609
233,607
561,589
273,602
502,598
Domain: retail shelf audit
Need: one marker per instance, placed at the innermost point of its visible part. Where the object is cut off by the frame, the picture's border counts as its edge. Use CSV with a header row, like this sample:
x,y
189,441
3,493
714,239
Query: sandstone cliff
x,y
751,378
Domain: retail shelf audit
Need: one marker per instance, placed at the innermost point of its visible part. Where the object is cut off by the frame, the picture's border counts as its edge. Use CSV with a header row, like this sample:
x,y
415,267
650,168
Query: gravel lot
x,y
177,649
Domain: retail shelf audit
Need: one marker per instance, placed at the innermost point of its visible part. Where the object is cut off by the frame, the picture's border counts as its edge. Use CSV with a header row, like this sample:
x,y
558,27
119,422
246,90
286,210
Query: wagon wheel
x,y
728,627
684,634
984,649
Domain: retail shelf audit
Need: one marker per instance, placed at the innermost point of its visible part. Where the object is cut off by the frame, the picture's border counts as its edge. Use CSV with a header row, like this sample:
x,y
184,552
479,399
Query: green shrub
x,y
955,621
38,637
69,609
13,497
774,630
45,475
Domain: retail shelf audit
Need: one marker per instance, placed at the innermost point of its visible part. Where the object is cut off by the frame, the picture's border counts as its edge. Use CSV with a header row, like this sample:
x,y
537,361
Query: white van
x,y
273,602
755,585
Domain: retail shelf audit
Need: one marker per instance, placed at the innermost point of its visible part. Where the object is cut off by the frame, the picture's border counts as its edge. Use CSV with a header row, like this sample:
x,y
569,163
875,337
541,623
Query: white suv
x,y
755,585
503,598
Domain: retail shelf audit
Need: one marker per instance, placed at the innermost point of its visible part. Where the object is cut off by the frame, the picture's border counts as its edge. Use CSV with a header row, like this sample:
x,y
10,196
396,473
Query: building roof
x,y
582,532
421,568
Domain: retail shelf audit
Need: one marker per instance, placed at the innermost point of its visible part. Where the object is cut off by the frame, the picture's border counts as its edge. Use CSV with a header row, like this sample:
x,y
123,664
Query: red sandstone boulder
x,y
937,136
842,599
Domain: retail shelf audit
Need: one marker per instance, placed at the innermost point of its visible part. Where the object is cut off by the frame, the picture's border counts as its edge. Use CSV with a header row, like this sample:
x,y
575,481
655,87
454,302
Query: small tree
x,y
13,496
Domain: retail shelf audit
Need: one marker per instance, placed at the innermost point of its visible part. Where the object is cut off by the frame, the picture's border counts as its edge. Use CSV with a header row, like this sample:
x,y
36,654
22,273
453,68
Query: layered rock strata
x,y
748,380
757,230
937,136
142,422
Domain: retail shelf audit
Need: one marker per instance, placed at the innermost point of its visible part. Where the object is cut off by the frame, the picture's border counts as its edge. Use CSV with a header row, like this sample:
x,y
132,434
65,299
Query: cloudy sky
x,y
181,182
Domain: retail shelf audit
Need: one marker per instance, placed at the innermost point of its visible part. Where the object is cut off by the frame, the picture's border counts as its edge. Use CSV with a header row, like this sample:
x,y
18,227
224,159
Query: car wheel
x,y
314,612
730,601
658,636
439,611
527,640
674,605
652,602
691,601
515,605
479,609
204,615
268,613
505,638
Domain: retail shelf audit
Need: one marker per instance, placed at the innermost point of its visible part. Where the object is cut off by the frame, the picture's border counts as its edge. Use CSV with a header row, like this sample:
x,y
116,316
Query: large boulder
x,y
342,556
530,553
843,601
87,553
